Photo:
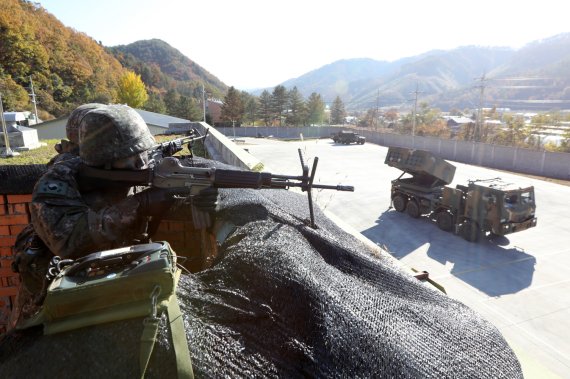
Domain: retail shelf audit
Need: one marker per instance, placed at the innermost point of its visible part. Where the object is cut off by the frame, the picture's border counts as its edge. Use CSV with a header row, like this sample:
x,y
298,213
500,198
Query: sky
x,y
252,44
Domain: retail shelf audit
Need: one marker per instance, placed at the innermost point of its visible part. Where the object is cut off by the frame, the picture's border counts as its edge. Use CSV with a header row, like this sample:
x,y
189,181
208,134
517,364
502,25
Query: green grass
x,y
43,154
40,155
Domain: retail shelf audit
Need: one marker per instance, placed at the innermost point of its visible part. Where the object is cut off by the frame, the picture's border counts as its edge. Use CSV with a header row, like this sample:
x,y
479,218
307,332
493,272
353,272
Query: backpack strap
x,y
177,333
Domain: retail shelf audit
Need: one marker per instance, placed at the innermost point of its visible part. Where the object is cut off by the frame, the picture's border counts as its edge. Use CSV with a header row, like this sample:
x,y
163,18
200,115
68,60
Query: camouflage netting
x,y
284,300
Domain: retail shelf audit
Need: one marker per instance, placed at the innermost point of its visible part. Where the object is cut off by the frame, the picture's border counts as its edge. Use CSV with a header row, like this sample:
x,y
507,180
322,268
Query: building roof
x,y
158,119
14,116
460,119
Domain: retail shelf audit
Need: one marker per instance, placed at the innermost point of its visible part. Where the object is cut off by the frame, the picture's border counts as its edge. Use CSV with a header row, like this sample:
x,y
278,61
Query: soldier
x,y
74,218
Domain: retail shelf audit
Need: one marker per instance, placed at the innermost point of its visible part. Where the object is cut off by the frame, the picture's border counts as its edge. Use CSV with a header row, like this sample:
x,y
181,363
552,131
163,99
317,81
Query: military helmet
x,y
112,132
72,126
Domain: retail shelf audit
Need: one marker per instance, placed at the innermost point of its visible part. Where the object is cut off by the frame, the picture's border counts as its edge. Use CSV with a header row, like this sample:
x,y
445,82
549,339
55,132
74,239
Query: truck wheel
x,y
413,209
444,221
470,231
399,203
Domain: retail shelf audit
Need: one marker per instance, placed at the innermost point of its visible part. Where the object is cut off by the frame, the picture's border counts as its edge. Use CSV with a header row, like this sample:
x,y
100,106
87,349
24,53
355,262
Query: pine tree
x,y
279,102
233,108
265,107
338,112
296,107
315,109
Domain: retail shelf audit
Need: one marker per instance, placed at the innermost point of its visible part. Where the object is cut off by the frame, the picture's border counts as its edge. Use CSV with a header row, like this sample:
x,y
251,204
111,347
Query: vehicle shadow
x,y
492,265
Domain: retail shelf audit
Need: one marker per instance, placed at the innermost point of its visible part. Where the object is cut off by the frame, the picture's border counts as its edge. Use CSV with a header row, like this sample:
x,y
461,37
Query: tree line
x,y
281,107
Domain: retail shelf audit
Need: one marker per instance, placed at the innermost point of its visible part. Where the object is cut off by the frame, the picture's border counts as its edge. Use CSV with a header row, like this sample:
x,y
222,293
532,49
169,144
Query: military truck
x,y
348,137
472,210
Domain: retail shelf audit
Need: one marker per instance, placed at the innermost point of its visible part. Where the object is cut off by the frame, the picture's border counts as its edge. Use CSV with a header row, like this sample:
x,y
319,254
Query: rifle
x,y
169,173
169,148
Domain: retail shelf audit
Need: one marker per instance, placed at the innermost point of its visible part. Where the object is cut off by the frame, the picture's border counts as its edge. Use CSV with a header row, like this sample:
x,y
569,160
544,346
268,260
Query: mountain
x,y
451,78
162,67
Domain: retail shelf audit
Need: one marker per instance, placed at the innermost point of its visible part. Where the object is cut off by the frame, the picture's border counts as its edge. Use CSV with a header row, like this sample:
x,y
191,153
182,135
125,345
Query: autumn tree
x,y
155,104
315,109
338,113
369,119
233,107
391,116
131,90
515,133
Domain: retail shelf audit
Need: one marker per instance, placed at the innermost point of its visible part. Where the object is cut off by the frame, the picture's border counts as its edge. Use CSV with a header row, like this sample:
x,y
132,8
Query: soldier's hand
x,y
206,200
155,201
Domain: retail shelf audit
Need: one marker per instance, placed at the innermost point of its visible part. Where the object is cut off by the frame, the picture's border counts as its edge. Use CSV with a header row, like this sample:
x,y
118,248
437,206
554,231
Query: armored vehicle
x,y
347,137
479,207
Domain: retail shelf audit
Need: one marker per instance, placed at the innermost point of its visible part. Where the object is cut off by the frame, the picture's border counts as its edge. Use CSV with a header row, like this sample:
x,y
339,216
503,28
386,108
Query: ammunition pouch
x,y
31,260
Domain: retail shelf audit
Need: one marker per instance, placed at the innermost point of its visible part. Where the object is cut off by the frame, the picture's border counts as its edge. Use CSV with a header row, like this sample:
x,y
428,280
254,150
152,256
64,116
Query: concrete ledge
x,y
222,149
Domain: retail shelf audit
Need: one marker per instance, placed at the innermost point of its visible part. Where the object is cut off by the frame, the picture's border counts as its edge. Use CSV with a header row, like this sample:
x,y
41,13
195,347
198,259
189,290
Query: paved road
x,y
520,283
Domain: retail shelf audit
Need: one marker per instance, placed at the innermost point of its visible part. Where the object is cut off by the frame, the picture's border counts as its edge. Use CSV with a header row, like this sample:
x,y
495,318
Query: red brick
x,y
3,210
6,251
2,199
15,229
4,230
7,240
6,263
8,291
18,209
14,220
19,198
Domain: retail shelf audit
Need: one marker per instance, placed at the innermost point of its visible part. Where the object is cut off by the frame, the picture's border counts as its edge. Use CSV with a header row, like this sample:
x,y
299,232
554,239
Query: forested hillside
x,y
69,68
163,67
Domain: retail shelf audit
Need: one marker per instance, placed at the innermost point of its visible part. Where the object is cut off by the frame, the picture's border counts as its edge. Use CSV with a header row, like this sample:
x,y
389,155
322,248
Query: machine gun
x,y
169,173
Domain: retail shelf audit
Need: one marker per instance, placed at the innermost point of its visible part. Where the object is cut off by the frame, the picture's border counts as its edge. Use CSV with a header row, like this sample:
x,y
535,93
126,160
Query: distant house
x,y
214,110
16,119
455,123
157,124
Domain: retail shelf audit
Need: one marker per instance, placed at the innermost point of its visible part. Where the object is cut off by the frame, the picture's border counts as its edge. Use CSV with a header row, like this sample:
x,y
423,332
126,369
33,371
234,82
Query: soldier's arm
x,y
66,223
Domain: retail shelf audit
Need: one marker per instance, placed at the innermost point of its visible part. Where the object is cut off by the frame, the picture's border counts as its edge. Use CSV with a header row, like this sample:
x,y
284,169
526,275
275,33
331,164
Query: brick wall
x,y
14,216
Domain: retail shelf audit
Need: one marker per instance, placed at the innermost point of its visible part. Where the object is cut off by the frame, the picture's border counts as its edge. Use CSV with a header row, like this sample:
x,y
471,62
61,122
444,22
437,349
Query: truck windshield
x,y
516,198
527,197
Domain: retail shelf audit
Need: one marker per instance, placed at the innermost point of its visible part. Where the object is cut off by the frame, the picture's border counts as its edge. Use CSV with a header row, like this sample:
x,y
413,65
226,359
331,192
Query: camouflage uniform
x,y
72,220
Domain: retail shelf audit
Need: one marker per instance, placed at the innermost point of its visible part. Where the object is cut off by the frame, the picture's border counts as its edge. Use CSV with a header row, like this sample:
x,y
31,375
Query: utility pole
x,y
33,96
416,92
377,110
204,101
7,151
479,123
